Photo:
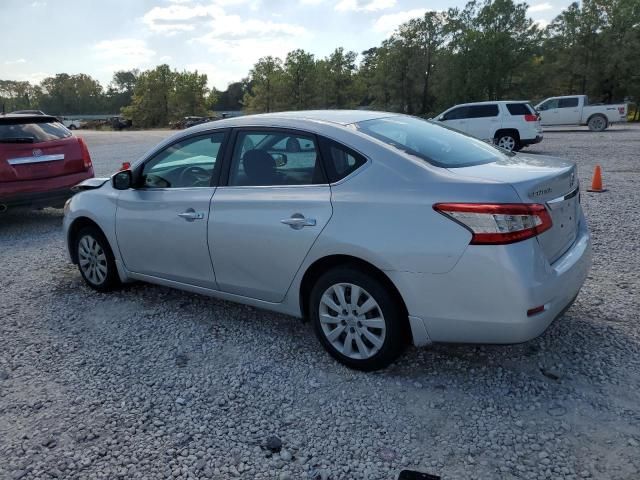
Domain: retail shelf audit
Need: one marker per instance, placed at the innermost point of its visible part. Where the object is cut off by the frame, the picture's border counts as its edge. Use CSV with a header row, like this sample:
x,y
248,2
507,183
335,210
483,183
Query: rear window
x,y
520,109
434,143
18,130
481,111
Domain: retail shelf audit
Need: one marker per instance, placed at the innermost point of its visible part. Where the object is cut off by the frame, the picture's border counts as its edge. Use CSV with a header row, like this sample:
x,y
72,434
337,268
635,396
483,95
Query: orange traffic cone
x,y
596,183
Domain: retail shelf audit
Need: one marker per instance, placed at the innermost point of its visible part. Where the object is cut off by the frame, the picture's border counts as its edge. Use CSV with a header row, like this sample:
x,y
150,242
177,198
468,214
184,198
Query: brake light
x,y
86,158
499,223
531,118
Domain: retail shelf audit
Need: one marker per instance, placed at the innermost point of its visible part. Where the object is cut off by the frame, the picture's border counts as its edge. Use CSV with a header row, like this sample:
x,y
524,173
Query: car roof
x,y
33,112
301,117
28,116
489,102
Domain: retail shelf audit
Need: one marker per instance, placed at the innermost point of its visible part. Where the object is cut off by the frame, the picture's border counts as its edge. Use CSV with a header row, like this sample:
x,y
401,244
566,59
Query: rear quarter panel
x,y
383,213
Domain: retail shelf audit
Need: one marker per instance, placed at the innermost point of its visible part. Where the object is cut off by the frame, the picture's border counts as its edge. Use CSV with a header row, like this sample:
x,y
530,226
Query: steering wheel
x,y
192,176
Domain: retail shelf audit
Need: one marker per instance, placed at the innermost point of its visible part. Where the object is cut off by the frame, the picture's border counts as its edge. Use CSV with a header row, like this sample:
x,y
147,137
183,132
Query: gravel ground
x,y
155,383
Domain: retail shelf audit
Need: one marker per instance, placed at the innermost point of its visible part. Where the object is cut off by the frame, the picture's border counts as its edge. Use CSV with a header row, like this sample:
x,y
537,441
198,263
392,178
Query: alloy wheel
x,y
352,321
597,124
507,142
92,260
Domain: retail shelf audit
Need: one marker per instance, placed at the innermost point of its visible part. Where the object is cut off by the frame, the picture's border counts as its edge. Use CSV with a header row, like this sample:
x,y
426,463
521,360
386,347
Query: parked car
x,y
575,110
40,160
119,123
509,124
377,227
72,124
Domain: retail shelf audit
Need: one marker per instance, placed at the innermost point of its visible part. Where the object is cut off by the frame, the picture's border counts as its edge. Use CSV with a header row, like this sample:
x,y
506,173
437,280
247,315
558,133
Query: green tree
x,y
189,96
150,102
15,95
266,86
120,90
65,94
300,79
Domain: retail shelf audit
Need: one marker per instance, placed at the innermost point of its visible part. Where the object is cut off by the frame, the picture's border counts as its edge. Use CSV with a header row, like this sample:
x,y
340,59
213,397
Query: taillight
x,y
531,118
499,223
86,158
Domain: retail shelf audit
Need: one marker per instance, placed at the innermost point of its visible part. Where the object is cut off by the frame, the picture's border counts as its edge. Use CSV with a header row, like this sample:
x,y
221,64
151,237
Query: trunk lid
x,y
540,179
32,161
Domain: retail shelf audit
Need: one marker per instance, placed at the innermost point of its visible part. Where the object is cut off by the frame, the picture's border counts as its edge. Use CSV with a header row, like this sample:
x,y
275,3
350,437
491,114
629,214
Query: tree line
x,y
488,50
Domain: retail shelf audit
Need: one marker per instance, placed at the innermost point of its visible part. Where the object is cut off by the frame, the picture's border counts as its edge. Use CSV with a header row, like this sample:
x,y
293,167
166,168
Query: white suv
x,y
509,124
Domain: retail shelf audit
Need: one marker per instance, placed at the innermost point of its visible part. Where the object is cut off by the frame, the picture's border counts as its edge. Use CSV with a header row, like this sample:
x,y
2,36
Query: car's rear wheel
x,y
597,123
508,141
357,319
95,260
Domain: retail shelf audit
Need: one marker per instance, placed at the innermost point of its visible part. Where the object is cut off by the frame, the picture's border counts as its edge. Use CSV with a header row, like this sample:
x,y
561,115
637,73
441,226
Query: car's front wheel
x,y
95,260
357,319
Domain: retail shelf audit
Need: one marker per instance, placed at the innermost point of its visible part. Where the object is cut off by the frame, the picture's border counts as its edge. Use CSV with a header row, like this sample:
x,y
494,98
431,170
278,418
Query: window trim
x,y
215,175
233,138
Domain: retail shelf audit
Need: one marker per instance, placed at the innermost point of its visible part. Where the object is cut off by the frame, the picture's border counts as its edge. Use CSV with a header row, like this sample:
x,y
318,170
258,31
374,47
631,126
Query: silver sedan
x,y
381,229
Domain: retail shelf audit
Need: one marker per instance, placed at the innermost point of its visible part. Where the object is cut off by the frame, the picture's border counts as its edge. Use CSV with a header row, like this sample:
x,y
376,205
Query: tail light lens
x,y
531,118
500,223
86,158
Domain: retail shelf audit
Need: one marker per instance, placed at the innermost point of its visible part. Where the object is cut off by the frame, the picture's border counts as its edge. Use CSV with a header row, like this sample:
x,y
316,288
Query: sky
x,y
222,38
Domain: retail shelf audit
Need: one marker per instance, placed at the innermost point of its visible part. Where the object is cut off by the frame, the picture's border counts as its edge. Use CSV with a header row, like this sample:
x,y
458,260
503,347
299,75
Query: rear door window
x,y
272,158
482,111
571,102
31,130
520,109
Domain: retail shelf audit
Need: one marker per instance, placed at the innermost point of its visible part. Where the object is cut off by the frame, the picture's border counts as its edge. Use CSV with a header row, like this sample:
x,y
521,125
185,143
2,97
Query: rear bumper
x,y
531,141
485,297
45,192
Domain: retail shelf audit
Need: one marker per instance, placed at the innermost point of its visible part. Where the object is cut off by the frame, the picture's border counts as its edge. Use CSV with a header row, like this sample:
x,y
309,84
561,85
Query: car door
x,y
275,203
569,111
456,118
549,112
161,225
483,120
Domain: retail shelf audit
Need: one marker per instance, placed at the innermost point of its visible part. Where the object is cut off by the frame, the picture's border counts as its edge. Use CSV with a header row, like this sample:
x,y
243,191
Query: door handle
x,y
297,221
190,215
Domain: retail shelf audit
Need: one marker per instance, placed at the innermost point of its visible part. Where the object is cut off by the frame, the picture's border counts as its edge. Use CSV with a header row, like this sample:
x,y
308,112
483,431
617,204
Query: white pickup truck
x,y
575,110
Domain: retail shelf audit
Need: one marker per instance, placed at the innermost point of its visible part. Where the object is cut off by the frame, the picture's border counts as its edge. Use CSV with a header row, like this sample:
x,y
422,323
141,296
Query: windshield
x,y
436,144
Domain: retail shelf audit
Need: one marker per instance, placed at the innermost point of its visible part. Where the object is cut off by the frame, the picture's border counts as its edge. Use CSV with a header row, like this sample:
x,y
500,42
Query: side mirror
x,y
122,180
280,158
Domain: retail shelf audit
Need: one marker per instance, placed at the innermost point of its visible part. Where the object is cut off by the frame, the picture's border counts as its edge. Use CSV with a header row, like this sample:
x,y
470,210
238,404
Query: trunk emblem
x,y
36,152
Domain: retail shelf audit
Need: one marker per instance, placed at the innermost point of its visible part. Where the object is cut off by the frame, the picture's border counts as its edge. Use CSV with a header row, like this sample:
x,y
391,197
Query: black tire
x,y
508,141
598,123
72,127
110,281
392,313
